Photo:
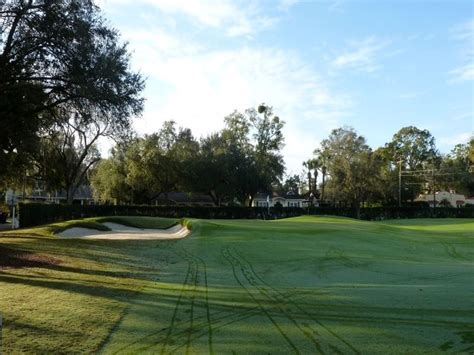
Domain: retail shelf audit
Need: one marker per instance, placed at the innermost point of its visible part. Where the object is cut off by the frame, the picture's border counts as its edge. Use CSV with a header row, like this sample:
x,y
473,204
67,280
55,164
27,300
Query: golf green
x,y
300,285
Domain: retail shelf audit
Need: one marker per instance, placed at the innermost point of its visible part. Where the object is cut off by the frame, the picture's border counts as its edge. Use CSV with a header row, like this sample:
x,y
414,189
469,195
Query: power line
x,y
427,174
415,173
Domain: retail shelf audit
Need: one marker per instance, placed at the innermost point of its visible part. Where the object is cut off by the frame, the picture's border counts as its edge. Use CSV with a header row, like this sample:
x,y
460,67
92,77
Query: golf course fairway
x,y
303,285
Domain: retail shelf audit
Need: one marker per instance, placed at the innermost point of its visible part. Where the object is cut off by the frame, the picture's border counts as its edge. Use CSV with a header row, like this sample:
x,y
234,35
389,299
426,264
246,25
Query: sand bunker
x,y
121,232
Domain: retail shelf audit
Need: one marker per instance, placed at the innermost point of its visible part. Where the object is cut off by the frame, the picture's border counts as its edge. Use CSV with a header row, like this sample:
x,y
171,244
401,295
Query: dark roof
x,y
286,196
261,195
293,196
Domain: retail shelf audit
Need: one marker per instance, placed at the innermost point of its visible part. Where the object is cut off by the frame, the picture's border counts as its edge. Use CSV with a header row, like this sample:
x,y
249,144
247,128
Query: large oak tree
x,y
59,59
353,167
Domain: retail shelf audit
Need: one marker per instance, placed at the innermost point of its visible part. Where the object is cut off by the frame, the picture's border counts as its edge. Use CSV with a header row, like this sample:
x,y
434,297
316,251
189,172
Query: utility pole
x,y
268,205
400,183
309,187
323,170
434,189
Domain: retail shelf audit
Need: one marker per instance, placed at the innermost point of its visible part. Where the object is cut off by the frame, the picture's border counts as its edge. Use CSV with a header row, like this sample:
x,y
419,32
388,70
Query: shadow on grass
x,y
117,253
14,259
103,291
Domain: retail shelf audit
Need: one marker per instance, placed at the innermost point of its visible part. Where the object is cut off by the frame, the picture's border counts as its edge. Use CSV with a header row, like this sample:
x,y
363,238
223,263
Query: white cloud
x,y
158,41
464,33
336,5
234,17
198,90
196,85
459,138
462,73
285,5
220,81
464,116
362,55
410,95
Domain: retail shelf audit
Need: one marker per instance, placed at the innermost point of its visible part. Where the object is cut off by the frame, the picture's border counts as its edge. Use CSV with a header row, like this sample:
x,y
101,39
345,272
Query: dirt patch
x,y
16,259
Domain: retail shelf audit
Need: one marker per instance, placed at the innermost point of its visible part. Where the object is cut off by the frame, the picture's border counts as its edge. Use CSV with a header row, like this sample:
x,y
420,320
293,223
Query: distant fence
x,y
34,214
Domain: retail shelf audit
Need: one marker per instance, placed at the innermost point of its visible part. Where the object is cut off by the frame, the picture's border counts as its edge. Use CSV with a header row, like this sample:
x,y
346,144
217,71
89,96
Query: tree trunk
x,y
357,210
315,181
70,191
322,188
215,199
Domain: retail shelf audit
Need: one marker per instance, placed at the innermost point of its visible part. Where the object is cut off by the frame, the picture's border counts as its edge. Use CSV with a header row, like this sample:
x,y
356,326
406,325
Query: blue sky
x,y
374,65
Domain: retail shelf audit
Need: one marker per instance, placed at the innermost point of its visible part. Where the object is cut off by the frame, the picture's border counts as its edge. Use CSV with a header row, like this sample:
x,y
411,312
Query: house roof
x,y
286,196
293,196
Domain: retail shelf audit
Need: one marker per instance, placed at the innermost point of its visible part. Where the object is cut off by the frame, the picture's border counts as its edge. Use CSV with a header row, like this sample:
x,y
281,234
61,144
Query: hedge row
x,y
395,212
33,214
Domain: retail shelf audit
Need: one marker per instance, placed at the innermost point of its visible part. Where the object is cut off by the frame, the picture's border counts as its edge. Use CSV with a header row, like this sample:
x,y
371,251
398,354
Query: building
x,y
83,196
290,199
453,198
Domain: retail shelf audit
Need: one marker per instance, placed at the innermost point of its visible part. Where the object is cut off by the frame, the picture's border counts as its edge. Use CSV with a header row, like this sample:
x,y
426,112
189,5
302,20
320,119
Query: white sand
x,y
121,232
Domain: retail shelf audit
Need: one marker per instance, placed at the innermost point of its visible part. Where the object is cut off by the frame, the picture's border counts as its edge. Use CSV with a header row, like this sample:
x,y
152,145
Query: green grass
x,y
306,284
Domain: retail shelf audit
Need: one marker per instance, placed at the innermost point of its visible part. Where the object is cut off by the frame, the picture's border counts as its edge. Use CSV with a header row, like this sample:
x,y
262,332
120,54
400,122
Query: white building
x,y
290,199
455,199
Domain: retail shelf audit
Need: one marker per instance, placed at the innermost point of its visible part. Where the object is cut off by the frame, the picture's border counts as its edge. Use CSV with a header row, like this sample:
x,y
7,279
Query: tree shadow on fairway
x,y
15,259
74,286
93,268
140,260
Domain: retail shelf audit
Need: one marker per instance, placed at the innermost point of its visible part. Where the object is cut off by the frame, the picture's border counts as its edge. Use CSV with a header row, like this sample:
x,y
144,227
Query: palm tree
x,y
323,160
324,172
315,165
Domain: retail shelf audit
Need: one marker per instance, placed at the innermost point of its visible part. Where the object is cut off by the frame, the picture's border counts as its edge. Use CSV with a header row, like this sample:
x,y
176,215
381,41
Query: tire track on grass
x,y
265,291
191,289
301,309
235,266
198,260
450,249
169,329
277,295
201,325
205,327
231,317
187,287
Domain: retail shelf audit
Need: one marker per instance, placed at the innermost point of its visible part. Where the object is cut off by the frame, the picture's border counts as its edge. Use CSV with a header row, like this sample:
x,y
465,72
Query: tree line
x,y
244,158
354,175
230,165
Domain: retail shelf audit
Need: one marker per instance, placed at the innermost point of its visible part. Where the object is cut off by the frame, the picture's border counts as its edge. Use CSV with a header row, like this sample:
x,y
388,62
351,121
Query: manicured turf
x,y
307,285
